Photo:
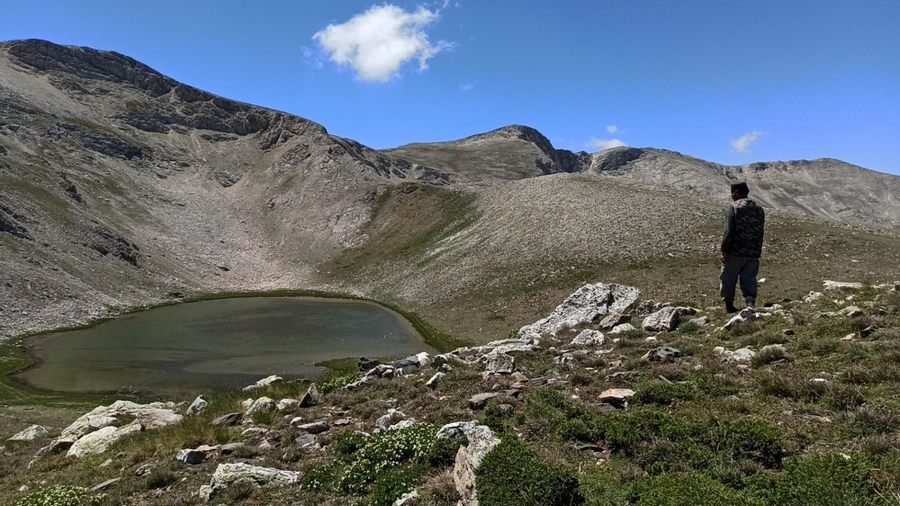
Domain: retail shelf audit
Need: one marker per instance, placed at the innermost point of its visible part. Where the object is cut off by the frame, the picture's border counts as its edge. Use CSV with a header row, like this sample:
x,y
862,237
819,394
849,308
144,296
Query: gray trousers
x,y
743,269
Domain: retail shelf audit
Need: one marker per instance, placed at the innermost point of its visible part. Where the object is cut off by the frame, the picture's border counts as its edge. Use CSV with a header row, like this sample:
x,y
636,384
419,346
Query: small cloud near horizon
x,y
379,41
601,144
612,129
742,144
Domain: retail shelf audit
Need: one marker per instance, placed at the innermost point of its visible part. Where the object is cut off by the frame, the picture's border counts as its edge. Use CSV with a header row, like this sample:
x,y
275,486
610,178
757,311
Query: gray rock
x,y
263,383
851,312
228,420
740,355
434,380
30,434
100,440
617,397
150,416
455,430
588,305
699,322
620,329
317,427
662,354
305,440
194,456
198,406
664,320
588,339
261,405
105,485
392,417
841,285
746,315
311,397
287,405
481,440
479,401
500,363
408,499
228,449
229,474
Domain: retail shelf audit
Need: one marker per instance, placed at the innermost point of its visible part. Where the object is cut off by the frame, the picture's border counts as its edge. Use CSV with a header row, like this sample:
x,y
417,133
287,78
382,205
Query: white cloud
x,y
742,143
379,41
612,129
601,144
466,86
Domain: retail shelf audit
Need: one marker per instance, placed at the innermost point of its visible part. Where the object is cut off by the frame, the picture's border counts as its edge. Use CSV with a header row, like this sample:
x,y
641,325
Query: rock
x,y
841,285
651,339
263,383
250,432
481,440
100,421
403,424
623,328
610,321
261,405
61,444
305,440
105,485
618,397
588,305
455,430
662,354
150,416
699,322
341,422
408,499
479,401
229,419
746,315
393,416
98,441
500,363
194,456
415,361
851,312
228,449
198,406
311,397
812,297
144,470
287,405
379,371
229,474
30,434
317,427
740,355
434,380
588,339
664,320
365,364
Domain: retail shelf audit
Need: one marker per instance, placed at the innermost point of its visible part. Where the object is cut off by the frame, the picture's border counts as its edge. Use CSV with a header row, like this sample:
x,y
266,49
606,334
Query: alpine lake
x,y
187,348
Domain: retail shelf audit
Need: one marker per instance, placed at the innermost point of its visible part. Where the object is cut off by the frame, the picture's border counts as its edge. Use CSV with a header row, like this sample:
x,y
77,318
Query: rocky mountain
x,y
121,187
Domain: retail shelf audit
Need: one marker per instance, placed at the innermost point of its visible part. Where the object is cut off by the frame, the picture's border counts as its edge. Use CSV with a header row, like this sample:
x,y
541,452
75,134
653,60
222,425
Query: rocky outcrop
x,y
227,475
30,434
100,440
586,306
481,440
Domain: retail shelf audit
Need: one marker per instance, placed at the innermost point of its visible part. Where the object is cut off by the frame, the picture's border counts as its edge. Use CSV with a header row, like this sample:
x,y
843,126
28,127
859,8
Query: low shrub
x,y
338,382
60,495
666,393
695,489
512,473
393,485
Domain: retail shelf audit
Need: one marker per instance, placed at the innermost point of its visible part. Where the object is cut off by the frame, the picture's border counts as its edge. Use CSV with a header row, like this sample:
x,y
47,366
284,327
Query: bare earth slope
x,y
121,187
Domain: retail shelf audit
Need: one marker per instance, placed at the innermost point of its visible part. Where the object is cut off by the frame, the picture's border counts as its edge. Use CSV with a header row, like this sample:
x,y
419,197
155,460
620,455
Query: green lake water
x,y
226,343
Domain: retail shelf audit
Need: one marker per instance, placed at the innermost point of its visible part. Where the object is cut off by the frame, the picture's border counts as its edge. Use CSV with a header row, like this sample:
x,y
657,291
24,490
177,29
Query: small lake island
x,y
186,348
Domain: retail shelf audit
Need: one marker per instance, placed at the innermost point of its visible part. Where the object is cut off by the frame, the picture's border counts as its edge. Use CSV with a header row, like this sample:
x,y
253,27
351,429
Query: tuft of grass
x,y
512,473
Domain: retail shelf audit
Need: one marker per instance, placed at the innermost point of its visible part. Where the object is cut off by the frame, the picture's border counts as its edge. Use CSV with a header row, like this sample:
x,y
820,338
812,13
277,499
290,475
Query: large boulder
x,y
229,474
198,406
100,440
588,339
312,397
664,320
30,434
481,440
150,416
587,306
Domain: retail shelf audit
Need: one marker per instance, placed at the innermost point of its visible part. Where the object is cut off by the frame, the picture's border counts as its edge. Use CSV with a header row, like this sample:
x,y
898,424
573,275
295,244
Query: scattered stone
x,y
740,355
407,499
341,422
812,297
481,440
253,431
106,463
500,363
664,320
198,406
393,416
263,383
617,397
841,285
228,420
699,322
623,328
228,449
588,305
651,339
415,361
434,380
312,397
287,405
366,364
105,485
479,401
818,381
144,470
379,371
229,474
455,430
261,405
851,312
588,339
746,315
505,408
30,434
317,427
305,440
403,424
100,440
194,456
787,332
662,354
849,337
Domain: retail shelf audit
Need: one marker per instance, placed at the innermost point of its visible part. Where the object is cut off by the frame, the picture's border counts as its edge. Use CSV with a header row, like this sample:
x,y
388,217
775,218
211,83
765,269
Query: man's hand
x,y
724,257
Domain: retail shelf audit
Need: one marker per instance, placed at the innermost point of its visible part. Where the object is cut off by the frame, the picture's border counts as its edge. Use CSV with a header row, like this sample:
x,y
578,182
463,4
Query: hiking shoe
x,y
729,308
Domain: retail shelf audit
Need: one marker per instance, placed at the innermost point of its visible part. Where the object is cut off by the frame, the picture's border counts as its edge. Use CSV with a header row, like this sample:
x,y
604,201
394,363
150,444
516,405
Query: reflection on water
x,y
218,343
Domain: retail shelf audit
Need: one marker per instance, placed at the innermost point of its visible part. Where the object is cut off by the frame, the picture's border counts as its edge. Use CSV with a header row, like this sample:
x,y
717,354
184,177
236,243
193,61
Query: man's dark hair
x,y
740,188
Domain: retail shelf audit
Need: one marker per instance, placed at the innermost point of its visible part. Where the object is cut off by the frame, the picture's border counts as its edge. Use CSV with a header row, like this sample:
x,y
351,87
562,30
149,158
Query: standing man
x,y
742,244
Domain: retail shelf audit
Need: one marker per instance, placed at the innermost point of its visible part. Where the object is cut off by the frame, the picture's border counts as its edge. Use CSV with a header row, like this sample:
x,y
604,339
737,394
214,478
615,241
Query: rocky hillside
x,y
610,399
121,187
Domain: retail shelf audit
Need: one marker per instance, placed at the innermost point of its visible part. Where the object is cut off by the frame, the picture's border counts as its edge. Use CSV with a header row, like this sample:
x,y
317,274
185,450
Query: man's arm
x,y
728,233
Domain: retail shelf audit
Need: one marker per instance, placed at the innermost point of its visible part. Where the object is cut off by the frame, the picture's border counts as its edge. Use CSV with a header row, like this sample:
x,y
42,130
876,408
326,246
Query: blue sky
x,y
725,80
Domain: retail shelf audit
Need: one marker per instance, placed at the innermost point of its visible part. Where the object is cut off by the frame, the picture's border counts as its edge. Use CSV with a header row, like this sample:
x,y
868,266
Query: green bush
x,y
665,393
513,474
338,382
349,442
392,486
60,495
747,438
689,489
319,478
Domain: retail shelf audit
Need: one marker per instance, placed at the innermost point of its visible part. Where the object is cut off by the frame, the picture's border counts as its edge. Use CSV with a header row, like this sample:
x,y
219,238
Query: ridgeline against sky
x,y
726,81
